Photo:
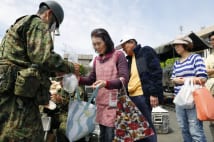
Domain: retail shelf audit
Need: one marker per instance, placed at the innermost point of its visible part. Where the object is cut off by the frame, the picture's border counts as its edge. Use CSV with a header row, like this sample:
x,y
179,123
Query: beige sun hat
x,y
182,40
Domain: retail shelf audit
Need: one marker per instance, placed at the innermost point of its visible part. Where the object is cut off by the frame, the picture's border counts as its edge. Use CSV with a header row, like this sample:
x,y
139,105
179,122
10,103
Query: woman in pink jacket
x,y
109,68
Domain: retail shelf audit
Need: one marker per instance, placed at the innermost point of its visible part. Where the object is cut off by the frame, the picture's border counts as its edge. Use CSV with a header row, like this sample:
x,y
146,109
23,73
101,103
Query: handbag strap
x,y
77,94
94,95
123,89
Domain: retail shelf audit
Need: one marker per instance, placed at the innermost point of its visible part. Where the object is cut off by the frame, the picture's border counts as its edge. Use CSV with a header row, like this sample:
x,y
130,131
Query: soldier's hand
x,y
56,98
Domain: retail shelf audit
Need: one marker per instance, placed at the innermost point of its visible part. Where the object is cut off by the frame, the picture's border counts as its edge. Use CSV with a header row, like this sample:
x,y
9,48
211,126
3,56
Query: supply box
x,y
160,118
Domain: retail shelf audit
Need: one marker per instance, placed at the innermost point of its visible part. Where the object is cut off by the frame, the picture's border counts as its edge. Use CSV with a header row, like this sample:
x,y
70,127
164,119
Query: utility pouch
x,y
27,82
7,78
43,95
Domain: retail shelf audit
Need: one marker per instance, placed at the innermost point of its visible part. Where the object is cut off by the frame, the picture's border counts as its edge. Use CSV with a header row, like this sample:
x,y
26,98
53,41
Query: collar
x,y
106,56
137,48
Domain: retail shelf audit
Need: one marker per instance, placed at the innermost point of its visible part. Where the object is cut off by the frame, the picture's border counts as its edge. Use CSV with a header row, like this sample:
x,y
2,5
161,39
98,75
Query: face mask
x,y
52,24
52,27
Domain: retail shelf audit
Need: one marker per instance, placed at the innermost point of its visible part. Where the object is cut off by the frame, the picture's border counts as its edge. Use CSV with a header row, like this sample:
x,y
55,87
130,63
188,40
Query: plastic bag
x,y
184,98
69,83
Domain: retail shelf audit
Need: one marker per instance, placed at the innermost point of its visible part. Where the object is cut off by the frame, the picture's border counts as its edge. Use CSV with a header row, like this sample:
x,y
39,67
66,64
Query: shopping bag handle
x,y
77,94
123,86
94,95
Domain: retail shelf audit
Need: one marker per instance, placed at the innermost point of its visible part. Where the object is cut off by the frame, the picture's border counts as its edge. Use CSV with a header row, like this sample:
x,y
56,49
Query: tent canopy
x,y
167,51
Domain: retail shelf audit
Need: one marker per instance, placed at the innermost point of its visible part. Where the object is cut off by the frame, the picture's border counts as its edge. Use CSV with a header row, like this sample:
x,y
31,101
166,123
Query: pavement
x,y
174,134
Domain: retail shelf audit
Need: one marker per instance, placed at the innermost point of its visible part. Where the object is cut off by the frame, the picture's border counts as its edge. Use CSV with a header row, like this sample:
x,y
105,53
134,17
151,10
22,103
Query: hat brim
x,y
178,41
118,47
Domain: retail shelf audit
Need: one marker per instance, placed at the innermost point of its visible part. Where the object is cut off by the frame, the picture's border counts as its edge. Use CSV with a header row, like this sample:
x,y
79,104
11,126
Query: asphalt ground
x,y
174,134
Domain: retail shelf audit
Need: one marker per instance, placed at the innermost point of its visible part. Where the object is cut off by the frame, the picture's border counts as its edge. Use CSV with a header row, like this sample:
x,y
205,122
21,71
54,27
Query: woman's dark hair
x,y
211,34
103,34
189,46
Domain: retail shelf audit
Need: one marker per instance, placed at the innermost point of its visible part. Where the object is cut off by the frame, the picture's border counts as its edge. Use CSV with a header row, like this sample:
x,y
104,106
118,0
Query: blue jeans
x,y
143,105
106,134
191,127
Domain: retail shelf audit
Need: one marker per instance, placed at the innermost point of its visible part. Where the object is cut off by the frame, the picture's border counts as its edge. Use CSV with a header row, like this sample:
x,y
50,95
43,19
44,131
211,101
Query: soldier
x,y
27,58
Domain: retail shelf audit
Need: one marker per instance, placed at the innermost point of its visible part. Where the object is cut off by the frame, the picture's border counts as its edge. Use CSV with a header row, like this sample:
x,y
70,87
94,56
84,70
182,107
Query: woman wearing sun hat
x,y
188,65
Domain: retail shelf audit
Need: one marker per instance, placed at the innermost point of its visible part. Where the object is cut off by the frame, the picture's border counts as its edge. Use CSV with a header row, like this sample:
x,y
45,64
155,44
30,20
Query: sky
x,y
151,22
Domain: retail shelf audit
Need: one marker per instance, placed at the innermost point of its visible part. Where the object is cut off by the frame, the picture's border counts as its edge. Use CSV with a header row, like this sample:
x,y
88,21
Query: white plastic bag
x,y
69,83
184,98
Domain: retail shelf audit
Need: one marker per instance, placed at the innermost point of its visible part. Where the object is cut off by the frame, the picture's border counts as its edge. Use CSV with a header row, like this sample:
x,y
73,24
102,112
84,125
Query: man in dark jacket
x,y
145,78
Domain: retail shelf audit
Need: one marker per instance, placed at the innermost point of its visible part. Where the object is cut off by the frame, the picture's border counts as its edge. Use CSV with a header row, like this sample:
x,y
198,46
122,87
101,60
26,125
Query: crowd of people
x,y
28,60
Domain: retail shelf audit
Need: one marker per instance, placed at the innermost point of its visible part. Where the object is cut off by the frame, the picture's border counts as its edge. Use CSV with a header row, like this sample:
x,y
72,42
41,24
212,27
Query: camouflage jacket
x,y
28,42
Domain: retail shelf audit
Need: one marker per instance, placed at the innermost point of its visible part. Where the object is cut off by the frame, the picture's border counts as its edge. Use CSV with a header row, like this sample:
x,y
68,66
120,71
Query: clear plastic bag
x,y
69,83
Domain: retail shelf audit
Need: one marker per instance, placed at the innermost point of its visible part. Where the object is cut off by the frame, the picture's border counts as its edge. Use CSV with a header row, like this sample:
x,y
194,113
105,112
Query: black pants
x,y
106,134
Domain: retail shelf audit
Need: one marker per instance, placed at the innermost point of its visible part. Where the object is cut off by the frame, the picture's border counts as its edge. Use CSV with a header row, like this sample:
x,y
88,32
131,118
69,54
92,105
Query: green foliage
x,y
83,70
162,64
168,62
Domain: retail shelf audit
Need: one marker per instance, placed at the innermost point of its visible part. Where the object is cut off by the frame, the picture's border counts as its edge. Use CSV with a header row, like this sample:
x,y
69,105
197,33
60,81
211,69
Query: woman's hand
x,y
178,80
199,80
99,83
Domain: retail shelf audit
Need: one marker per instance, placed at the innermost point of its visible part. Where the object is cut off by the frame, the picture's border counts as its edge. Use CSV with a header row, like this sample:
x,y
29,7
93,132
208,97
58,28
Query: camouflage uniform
x,y
23,45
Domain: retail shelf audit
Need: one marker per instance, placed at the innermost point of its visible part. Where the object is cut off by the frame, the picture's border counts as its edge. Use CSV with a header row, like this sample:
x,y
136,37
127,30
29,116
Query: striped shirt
x,y
193,66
